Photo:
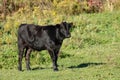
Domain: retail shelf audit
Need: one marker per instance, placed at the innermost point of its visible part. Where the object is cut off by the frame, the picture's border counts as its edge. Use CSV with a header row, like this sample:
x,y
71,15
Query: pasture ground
x,y
94,63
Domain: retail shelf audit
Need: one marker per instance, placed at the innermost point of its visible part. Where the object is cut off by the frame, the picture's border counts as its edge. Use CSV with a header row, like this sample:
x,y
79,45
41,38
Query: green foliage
x,y
117,5
68,7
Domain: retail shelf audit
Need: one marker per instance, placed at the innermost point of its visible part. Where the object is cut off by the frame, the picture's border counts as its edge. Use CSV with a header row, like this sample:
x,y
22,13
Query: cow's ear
x,y
62,24
71,24
58,25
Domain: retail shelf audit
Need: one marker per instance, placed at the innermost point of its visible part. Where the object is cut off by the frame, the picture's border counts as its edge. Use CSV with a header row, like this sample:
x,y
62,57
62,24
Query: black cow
x,y
35,37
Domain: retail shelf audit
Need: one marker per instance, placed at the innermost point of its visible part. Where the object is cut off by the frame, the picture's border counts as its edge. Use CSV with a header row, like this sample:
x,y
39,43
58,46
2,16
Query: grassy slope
x,y
92,53
96,63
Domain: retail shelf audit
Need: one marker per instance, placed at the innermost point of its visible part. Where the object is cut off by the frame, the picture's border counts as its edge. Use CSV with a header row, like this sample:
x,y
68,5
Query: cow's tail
x,y
30,35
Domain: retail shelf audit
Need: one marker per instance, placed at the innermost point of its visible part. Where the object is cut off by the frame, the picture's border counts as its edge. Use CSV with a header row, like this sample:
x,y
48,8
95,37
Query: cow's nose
x,y
68,36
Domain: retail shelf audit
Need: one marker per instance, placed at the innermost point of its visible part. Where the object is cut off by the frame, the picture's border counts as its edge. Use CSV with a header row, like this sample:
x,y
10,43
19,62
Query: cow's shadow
x,y
38,68
83,65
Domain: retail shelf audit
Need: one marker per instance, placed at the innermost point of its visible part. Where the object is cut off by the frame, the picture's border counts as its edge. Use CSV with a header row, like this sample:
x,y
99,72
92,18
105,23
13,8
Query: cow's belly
x,y
38,46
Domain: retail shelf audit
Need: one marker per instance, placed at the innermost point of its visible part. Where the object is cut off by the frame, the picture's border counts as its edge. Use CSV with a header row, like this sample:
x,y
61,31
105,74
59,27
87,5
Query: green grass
x,y
99,62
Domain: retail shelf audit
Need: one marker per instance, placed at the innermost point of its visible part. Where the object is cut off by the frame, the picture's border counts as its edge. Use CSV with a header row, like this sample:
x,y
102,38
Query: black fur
x,y
35,37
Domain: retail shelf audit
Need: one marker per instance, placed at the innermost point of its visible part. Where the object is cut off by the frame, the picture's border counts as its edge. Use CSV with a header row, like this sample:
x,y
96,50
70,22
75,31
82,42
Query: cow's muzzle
x,y
68,36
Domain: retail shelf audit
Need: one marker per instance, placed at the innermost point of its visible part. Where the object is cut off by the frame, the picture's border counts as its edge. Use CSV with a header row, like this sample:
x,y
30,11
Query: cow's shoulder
x,y
21,25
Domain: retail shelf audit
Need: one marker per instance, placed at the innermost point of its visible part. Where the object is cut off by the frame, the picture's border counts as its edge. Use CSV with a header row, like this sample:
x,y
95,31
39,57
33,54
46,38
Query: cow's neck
x,y
59,36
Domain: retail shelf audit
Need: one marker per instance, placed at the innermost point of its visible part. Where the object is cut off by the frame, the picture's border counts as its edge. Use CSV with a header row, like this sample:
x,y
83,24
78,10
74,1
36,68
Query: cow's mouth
x,y
68,36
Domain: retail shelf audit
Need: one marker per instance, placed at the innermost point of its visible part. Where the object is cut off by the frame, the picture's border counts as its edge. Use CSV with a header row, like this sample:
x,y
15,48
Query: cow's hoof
x,y
19,68
29,69
56,69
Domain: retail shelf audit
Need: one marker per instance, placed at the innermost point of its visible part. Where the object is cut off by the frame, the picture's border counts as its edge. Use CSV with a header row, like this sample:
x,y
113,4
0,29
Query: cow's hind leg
x,y
20,53
20,56
27,58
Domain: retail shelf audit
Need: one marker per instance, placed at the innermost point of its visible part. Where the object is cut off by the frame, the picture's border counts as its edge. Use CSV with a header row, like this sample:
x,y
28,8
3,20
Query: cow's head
x,y
65,29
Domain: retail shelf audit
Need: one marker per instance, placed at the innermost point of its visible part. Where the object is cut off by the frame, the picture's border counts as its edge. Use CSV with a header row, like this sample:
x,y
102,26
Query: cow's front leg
x,y
54,57
56,52
27,58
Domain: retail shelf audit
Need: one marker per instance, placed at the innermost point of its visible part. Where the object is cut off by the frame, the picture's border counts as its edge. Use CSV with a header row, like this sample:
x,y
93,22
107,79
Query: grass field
x,y
92,53
94,63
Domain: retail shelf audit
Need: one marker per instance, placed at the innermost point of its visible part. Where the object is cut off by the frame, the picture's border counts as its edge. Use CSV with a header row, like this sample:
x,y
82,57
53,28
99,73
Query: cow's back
x,y
32,36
